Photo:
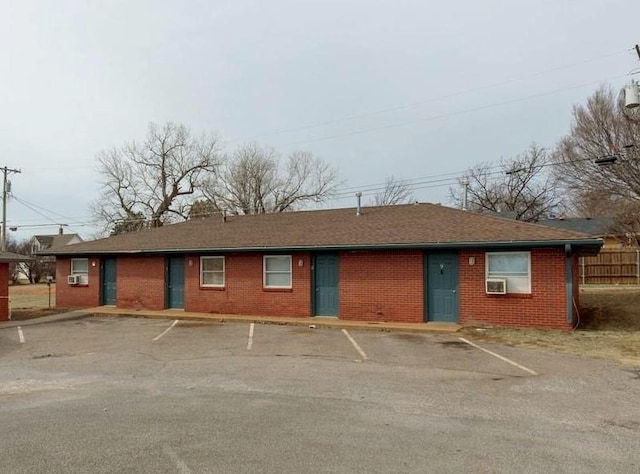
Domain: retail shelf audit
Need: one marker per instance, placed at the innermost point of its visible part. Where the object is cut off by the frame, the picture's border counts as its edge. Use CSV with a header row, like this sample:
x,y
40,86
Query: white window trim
x,y
224,271
506,276
264,272
76,272
84,275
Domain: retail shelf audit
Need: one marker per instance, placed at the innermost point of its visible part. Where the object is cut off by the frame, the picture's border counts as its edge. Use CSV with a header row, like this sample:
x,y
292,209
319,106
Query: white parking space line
x,y
508,361
250,342
165,331
355,344
20,335
180,464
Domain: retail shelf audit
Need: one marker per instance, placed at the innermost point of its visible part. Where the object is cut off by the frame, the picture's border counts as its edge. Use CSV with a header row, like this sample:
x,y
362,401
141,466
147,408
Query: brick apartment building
x,y
412,263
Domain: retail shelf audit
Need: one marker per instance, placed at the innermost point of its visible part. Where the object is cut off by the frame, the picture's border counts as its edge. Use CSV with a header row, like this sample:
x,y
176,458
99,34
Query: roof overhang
x,y
578,246
6,257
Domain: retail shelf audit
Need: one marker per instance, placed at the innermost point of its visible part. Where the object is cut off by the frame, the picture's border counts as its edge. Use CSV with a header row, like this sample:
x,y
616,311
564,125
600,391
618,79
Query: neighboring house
x,y
39,243
411,263
5,259
44,242
599,227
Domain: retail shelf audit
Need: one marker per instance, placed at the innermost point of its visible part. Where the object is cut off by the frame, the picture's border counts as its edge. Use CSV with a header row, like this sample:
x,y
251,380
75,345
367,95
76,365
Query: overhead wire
x,y
441,116
412,184
426,100
426,182
26,203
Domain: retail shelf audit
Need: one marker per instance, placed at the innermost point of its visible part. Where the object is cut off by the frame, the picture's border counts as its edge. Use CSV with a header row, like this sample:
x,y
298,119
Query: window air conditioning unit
x,y
496,286
73,279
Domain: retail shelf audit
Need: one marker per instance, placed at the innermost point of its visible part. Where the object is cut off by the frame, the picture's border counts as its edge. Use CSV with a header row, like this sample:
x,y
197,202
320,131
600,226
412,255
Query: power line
x,y
407,180
31,208
27,203
426,100
441,116
413,184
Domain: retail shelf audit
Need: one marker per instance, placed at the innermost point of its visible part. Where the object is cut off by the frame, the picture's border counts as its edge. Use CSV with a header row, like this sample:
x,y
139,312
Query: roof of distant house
x,y
56,240
593,226
13,257
401,226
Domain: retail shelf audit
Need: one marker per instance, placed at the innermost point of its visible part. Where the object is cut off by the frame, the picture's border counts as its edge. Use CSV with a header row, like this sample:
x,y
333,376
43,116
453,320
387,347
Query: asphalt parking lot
x,y
136,395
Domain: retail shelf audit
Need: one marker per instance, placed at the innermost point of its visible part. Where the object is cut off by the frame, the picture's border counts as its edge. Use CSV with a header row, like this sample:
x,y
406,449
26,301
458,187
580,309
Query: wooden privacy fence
x,y
611,267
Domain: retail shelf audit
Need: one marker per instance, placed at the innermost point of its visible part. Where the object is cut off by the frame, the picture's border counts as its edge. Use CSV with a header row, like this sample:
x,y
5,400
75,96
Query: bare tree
x,y
521,186
15,268
254,181
201,208
626,222
154,182
33,270
601,128
396,191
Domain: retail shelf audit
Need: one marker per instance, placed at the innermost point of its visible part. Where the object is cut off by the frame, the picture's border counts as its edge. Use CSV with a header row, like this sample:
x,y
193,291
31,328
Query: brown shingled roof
x,y
410,225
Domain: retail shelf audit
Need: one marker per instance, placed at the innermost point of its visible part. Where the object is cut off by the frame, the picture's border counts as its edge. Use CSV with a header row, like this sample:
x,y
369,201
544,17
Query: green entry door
x,y
108,279
441,275
175,282
325,283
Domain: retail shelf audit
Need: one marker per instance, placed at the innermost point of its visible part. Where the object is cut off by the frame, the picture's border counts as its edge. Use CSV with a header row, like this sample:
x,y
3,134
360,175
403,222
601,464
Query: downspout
x,y
568,282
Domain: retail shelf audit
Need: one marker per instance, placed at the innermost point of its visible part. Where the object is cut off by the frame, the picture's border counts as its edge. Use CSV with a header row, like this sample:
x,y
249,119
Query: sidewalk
x,y
326,322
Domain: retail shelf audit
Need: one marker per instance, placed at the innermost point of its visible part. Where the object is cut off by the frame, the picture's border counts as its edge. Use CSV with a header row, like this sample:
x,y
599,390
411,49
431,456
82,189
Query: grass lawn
x,y
609,327
32,301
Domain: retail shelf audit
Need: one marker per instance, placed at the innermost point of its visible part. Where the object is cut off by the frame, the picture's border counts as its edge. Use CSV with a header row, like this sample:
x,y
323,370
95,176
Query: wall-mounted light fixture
x,y
472,260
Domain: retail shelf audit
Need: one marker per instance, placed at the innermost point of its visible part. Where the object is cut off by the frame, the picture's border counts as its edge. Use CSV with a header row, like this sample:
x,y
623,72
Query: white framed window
x,y
514,267
80,266
212,271
276,271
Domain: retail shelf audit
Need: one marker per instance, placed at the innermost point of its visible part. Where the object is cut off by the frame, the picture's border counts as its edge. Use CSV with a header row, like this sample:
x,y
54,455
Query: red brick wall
x,y
4,291
140,282
243,292
373,286
381,285
77,296
545,306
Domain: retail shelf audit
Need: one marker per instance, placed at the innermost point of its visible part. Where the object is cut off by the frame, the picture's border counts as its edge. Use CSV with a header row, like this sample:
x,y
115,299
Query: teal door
x,y
108,279
175,283
325,284
441,275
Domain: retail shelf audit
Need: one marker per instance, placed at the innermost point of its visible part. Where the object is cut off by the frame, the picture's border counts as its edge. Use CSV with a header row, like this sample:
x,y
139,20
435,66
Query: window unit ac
x,y
496,286
73,279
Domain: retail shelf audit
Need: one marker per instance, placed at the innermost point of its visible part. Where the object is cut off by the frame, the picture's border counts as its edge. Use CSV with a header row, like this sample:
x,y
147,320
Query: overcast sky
x,y
411,88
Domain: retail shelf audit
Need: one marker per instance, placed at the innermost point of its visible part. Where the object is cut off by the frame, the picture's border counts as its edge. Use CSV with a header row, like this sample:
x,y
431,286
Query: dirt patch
x,y
610,308
32,313
609,328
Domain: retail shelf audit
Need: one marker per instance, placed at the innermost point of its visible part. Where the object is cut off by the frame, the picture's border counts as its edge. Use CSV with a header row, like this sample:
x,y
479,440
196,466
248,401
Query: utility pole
x,y
465,191
5,173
